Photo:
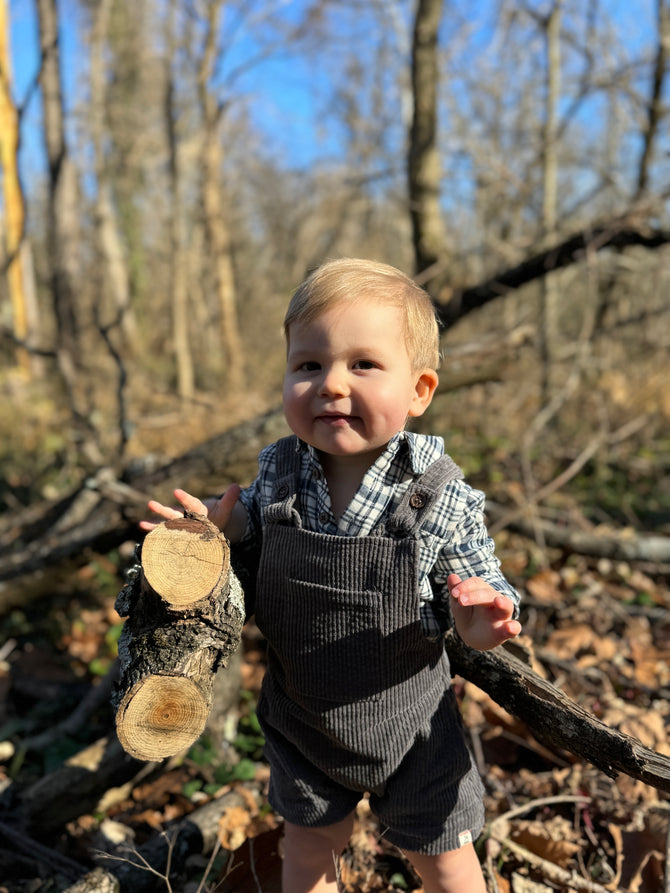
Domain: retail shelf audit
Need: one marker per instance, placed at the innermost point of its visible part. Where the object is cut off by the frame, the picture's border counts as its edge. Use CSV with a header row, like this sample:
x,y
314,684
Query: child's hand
x,y
222,511
482,616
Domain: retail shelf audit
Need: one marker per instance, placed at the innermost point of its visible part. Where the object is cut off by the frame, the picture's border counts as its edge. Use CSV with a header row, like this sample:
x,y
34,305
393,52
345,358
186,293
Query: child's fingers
x,y
503,632
499,605
474,592
452,581
169,512
226,503
190,503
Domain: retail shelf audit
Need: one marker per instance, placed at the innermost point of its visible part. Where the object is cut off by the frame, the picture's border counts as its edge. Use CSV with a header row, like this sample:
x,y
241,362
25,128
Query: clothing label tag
x,y
464,838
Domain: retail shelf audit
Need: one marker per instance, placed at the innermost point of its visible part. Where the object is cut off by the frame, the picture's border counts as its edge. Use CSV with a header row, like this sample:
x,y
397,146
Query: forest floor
x,y
599,630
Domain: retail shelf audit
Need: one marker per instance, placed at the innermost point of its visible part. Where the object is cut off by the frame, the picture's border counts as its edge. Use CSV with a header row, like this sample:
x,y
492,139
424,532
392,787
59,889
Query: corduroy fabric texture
x,y
355,698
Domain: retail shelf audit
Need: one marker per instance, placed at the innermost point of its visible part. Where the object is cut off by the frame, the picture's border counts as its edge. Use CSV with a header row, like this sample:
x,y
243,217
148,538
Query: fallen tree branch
x,y
97,696
56,861
74,789
104,511
499,831
197,834
625,546
554,718
619,234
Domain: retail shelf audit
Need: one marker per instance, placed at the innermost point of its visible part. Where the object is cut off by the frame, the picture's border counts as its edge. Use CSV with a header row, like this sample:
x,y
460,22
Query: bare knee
x,y
450,872
310,862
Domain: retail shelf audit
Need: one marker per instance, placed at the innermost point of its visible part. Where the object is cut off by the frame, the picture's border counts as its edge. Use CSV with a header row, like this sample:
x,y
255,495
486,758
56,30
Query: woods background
x,y
171,171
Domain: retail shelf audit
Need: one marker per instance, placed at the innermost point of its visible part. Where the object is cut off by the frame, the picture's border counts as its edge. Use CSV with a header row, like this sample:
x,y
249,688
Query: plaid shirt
x,y
453,536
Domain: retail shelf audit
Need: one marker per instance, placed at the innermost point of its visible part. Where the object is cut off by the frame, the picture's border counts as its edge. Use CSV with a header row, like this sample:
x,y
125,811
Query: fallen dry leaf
x,y
545,587
553,839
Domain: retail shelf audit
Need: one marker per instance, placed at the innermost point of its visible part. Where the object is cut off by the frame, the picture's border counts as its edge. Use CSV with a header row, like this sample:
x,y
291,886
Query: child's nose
x,y
334,382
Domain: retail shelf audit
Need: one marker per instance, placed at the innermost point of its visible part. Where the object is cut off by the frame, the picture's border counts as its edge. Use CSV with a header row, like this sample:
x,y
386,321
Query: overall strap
x,y
421,495
285,486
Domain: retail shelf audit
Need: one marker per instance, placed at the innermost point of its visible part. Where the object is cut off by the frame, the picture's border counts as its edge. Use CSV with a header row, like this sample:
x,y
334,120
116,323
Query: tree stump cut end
x,y
184,560
161,716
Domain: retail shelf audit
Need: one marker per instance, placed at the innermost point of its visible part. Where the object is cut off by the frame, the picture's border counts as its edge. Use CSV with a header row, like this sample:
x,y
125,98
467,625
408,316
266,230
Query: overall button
x,y
417,500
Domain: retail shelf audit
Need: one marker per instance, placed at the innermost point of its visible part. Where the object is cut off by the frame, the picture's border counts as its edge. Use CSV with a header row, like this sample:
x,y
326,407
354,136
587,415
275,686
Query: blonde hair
x,y
354,279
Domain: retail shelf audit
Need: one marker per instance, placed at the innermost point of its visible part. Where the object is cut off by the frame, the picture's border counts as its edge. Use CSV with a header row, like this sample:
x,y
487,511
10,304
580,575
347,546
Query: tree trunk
x,y
423,163
655,112
549,287
185,612
215,216
179,297
114,273
63,228
14,207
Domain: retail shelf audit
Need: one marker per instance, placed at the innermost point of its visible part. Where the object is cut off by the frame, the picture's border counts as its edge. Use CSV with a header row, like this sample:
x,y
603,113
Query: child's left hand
x,y
482,616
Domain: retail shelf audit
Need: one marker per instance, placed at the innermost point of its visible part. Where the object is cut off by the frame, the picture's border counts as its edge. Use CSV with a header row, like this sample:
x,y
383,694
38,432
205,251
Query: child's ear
x,y
424,389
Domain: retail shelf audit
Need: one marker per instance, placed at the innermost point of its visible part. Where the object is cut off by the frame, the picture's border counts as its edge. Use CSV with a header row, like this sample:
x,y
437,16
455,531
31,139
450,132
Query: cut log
x,y
204,560
185,610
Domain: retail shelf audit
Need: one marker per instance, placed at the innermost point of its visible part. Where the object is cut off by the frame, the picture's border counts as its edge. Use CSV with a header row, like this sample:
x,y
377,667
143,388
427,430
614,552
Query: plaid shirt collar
x,y
421,450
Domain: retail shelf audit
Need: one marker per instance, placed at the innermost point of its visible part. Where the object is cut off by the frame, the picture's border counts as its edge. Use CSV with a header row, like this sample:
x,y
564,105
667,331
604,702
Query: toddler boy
x,y
371,544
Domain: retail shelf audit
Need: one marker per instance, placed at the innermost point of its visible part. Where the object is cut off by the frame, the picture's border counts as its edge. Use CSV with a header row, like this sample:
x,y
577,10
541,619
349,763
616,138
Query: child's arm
x,y
483,617
226,512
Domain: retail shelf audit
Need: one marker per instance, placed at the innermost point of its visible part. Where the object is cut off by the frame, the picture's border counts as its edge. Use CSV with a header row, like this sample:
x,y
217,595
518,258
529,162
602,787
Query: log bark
x,y
76,788
185,611
555,719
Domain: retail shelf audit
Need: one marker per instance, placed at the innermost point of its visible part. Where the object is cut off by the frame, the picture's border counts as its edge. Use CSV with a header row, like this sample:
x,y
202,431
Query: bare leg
x,y
310,856
457,871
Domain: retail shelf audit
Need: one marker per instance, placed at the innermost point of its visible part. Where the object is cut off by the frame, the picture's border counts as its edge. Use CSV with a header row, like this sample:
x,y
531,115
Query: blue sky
x,y
289,94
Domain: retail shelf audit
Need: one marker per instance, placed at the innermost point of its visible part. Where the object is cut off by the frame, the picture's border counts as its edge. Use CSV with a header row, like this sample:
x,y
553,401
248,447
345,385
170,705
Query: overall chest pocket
x,y
329,642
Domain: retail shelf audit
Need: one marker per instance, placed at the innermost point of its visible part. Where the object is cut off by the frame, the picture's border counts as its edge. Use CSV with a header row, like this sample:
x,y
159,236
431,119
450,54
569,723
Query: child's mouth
x,y
335,420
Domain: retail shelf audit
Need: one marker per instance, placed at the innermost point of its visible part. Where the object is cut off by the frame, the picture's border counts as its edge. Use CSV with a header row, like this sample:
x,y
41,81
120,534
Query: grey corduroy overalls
x,y
355,698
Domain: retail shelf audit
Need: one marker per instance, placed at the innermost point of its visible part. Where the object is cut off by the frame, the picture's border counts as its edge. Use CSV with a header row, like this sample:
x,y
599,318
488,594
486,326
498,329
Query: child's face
x,y
349,384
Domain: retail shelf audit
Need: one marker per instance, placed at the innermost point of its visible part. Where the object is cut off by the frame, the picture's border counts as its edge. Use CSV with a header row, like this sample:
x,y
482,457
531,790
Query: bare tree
x,y
424,163
113,281
64,238
550,293
179,291
655,111
215,213
14,205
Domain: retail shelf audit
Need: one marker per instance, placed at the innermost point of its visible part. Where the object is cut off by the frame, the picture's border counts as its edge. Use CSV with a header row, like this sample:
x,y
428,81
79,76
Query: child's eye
x,y
309,366
365,364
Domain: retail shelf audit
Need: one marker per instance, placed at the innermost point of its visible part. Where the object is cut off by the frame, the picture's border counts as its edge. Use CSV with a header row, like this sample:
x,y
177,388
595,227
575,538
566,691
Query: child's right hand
x,y
228,515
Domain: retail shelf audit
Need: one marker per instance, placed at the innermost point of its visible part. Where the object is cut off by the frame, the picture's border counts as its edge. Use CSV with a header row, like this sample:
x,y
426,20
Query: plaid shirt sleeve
x,y
258,494
459,543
